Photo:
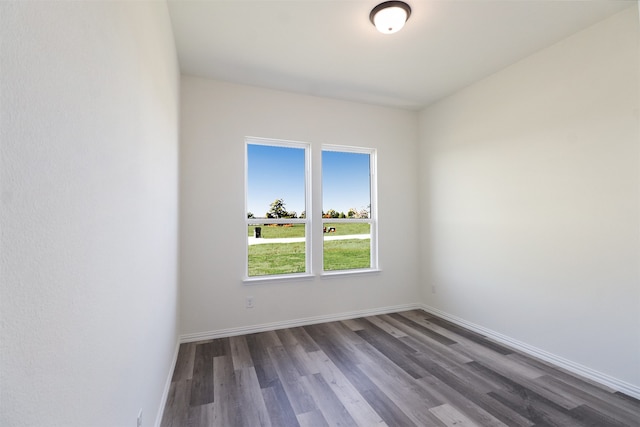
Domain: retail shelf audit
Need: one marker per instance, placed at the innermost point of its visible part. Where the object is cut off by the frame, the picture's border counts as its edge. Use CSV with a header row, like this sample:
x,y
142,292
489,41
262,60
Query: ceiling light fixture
x,y
390,16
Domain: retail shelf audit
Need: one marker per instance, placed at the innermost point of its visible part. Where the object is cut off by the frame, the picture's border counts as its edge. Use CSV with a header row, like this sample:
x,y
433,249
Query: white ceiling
x,y
329,48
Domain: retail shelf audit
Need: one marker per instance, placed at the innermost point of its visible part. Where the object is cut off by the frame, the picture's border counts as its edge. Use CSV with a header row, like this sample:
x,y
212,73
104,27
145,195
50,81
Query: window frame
x,y
307,205
373,210
314,249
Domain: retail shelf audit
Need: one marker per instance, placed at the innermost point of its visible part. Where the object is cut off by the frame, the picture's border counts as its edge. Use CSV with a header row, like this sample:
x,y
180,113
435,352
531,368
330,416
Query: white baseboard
x,y
576,368
242,330
167,386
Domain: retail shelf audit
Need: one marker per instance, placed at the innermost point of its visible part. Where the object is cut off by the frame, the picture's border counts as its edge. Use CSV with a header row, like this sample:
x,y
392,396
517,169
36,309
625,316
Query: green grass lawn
x,y
276,258
342,229
287,258
347,254
345,228
269,232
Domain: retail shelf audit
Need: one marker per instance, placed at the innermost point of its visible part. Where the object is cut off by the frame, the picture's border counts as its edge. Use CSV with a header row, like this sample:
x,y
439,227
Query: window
x,y
348,209
276,206
280,222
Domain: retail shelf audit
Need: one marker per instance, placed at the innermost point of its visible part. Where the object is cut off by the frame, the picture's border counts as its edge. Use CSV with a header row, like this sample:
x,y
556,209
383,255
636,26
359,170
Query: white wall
x,y
89,110
216,117
530,183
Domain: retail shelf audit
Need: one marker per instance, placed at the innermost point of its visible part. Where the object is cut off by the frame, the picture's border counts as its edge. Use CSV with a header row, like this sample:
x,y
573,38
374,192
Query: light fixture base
x,y
390,16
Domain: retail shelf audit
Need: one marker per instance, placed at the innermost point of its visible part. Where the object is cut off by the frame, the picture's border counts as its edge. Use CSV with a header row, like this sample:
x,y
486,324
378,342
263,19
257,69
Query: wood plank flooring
x,y
402,369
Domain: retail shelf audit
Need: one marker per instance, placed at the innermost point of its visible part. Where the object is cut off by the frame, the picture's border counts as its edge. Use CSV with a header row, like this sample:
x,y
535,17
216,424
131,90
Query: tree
x,y
303,214
342,215
331,214
352,213
250,215
277,209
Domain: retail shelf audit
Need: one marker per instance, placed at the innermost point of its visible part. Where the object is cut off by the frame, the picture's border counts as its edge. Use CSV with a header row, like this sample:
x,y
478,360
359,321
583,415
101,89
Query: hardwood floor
x,y
401,369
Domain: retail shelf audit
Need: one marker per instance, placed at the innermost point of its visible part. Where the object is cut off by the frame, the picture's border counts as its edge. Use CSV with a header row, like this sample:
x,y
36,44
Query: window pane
x,y
347,246
275,174
346,187
346,194
280,249
275,190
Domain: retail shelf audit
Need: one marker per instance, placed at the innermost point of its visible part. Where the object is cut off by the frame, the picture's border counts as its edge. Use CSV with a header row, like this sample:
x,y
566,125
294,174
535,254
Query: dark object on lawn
x,y
258,231
331,230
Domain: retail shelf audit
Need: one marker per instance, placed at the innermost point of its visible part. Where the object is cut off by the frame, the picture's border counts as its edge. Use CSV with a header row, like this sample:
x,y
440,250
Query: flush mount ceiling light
x,y
390,16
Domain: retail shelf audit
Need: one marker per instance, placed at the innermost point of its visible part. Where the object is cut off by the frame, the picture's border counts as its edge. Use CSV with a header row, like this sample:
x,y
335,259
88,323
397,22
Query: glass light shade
x,y
390,19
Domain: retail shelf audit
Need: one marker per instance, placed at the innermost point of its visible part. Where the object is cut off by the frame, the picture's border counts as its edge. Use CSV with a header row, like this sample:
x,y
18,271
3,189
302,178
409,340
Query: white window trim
x,y
310,179
373,210
250,140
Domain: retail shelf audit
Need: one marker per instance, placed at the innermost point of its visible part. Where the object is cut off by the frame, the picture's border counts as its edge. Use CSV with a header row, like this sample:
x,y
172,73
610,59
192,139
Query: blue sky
x,y
278,173
275,173
345,181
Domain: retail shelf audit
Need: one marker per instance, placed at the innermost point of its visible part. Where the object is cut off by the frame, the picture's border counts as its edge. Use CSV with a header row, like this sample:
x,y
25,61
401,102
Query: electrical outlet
x,y
249,302
139,423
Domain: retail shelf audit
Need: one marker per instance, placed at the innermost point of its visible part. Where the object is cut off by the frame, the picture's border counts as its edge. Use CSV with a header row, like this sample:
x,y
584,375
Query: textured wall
x,y
215,119
531,190
89,110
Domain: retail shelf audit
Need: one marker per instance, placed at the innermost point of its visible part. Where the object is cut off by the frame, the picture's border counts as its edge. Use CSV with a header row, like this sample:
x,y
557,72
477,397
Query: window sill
x,y
277,278
342,273
306,276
